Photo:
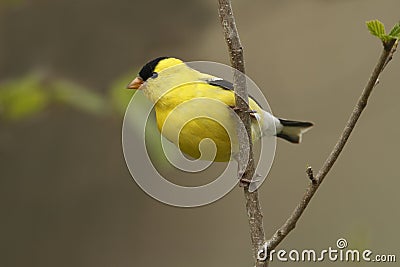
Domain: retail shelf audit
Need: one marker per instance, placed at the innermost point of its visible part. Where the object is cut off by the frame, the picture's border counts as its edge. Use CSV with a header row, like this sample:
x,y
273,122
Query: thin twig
x,y
290,224
246,161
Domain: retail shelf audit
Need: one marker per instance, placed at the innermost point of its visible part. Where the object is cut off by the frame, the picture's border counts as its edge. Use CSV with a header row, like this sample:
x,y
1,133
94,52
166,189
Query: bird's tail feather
x,y
293,130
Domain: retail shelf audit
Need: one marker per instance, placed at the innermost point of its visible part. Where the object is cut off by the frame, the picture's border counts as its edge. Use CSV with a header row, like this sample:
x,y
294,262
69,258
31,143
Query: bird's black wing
x,y
224,84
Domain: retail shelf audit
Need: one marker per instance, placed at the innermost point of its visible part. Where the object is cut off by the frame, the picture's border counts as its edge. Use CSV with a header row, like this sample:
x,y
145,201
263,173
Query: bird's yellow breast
x,y
187,115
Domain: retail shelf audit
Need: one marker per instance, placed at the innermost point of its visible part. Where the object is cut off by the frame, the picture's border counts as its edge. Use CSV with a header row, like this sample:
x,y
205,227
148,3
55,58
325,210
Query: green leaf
x,y
23,97
377,29
395,32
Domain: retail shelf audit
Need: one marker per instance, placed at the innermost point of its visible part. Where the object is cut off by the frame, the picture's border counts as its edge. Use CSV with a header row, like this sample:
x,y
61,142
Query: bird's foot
x,y
243,182
251,112
252,184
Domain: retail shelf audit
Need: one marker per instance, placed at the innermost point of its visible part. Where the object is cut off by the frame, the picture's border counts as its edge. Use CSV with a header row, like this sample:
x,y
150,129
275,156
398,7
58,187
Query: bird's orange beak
x,y
135,84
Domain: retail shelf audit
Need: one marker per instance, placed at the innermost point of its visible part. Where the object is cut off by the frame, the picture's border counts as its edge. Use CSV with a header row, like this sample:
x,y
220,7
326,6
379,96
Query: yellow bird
x,y
191,106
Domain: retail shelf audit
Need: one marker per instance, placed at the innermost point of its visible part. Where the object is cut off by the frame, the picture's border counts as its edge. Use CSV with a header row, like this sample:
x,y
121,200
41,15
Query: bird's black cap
x,y
148,69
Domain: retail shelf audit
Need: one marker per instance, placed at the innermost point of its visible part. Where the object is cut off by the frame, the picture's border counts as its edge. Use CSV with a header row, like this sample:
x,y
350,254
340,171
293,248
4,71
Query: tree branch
x,y
246,165
290,224
247,169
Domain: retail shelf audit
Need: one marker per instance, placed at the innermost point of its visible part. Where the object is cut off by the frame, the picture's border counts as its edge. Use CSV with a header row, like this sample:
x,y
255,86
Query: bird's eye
x,y
154,75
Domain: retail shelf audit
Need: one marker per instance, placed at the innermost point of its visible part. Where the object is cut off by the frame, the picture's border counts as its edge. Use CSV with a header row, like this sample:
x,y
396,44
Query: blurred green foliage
x,y
120,98
23,97
28,95
77,96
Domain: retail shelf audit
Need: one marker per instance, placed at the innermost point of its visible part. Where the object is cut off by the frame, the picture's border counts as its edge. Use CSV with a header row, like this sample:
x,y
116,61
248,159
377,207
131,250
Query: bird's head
x,y
152,69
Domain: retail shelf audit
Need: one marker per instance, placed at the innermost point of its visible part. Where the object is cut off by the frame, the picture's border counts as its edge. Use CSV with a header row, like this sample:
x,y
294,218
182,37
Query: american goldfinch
x,y
191,106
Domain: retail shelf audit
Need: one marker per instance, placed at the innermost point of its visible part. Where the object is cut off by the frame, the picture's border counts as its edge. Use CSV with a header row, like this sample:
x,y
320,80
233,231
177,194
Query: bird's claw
x,y
252,184
251,112
243,182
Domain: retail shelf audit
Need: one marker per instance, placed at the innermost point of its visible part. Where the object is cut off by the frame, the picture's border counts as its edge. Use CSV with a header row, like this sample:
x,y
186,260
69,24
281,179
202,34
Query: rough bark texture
x,y
246,164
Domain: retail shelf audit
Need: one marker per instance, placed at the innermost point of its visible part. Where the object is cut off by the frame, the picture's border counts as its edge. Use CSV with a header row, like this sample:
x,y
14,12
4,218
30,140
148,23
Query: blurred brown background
x,y
66,196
